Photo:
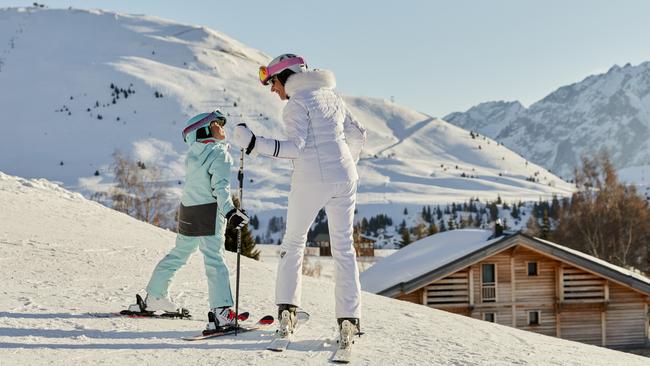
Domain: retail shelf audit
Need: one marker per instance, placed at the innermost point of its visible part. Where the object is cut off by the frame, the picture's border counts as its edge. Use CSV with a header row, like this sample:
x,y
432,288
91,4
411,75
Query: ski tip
x,y
267,320
302,315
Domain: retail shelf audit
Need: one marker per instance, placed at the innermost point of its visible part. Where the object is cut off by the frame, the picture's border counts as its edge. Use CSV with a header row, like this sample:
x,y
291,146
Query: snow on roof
x,y
626,272
423,256
436,251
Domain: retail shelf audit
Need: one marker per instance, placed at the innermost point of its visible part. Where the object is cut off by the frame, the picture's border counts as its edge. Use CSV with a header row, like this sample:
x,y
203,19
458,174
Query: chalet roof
x,y
437,256
423,256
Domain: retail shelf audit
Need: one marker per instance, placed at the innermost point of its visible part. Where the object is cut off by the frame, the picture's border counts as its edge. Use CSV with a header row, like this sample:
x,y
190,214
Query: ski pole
x,y
240,178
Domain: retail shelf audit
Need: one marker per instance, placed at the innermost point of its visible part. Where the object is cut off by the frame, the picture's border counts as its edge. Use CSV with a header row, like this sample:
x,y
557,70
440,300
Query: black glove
x,y
237,218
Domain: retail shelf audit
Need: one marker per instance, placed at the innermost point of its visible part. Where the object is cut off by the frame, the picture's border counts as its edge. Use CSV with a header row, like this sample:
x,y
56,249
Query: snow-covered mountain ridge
x,y
104,81
610,110
64,257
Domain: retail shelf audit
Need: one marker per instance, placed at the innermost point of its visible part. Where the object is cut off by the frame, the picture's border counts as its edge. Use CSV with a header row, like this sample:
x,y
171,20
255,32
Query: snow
x,y
605,111
64,257
410,158
423,256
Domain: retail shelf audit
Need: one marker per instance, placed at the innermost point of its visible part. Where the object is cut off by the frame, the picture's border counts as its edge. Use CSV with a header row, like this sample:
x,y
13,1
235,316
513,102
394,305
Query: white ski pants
x,y
305,200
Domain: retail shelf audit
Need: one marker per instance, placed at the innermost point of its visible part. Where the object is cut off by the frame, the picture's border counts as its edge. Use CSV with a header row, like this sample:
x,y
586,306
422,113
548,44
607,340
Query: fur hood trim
x,y
310,80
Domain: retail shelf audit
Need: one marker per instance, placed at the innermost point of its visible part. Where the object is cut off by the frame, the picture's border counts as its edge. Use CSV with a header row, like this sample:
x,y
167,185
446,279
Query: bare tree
x,y
606,218
140,191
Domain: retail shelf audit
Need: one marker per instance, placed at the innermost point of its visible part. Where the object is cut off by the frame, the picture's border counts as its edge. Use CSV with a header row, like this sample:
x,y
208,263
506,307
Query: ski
x,y
343,354
182,314
280,343
263,322
139,310
142,315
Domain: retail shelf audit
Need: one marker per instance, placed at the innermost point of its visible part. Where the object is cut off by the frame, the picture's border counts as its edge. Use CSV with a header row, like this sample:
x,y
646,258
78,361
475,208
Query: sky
x,y
436,57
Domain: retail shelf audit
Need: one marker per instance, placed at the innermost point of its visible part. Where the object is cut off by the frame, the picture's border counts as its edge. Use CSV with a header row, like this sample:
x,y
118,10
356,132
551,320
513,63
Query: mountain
x,y
79,84
68,263
606,111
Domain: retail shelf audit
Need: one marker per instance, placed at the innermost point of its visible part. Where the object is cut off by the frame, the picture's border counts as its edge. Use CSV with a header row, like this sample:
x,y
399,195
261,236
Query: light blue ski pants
x,y
213,248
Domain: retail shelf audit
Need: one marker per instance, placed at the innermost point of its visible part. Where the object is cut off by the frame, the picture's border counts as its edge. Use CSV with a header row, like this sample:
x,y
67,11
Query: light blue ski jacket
x,y
207,175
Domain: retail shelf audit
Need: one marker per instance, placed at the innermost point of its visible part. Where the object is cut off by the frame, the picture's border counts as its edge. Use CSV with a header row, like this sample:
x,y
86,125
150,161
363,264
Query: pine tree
x,y
255,222
406,237
451,223
477,220
433,229
546,227
247,243
555,208
494,211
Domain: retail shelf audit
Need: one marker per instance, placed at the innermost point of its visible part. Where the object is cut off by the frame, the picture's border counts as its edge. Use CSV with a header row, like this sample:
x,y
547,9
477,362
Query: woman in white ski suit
x,y
324,143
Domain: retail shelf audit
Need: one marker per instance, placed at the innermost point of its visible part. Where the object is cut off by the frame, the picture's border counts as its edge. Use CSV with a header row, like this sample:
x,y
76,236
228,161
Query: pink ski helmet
x,y
281,63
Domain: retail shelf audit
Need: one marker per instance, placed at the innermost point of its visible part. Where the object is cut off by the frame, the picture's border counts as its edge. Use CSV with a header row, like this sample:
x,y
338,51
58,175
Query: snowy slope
x,y
51,105
610,110
63,257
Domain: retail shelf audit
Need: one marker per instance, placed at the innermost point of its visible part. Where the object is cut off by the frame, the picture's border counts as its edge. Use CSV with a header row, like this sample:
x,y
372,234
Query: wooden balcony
x,y
489,292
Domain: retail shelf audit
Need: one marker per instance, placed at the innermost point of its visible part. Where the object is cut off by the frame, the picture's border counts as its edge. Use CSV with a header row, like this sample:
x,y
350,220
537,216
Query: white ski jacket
x,y
324,139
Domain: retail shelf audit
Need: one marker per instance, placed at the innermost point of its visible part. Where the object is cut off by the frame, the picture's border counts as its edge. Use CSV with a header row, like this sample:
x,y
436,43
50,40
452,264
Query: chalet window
x,y
533,317
532,268
488,282
490,317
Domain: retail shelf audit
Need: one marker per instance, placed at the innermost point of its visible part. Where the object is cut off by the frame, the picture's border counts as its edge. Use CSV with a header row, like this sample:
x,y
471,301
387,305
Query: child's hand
x,y
237,218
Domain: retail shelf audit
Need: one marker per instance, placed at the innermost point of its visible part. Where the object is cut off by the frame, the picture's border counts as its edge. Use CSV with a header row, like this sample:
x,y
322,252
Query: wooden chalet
x,y
363,245
519,281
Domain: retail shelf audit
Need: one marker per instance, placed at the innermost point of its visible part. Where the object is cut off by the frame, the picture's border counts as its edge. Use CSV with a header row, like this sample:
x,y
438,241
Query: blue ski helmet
x,y
198,127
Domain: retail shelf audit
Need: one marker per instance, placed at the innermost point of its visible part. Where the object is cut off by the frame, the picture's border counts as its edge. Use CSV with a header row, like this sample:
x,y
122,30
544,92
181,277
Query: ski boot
x,y
219,319
160,304
155,307
348,327
288,320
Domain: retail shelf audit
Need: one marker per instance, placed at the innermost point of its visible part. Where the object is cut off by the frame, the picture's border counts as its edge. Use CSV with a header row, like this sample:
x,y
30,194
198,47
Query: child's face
x,y
218,132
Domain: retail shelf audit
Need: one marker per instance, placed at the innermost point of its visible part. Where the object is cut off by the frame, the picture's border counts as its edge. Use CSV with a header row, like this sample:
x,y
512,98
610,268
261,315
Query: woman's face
x,y
277,87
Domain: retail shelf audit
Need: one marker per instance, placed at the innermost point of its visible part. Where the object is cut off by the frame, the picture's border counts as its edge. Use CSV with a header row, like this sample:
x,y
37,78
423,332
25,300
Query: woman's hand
x,y
244,138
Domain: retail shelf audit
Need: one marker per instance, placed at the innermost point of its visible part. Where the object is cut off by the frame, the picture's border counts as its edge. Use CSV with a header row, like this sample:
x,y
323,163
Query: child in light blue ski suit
x,y
205,208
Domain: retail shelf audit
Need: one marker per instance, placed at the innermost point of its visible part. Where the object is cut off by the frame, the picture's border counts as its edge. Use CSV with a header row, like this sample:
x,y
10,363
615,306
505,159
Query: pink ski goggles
x,y
267,72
